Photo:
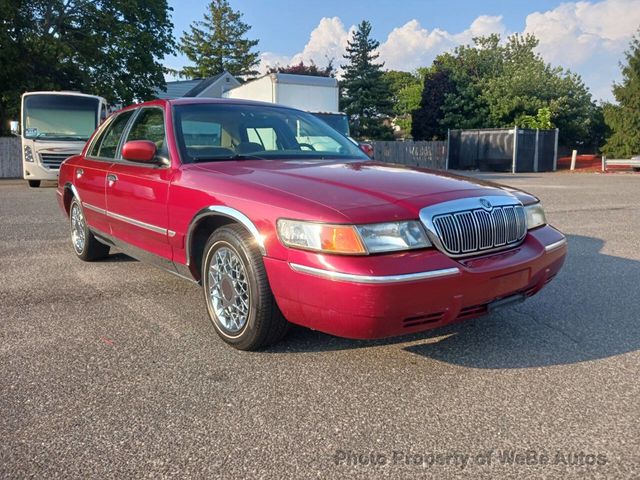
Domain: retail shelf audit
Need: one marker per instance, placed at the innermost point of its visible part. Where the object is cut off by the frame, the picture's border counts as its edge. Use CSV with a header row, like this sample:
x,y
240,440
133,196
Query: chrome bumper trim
x,y
555,245
355,278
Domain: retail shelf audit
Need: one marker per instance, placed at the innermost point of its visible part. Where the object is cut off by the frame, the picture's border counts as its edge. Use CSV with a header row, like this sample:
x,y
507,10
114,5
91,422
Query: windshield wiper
x,y
54,136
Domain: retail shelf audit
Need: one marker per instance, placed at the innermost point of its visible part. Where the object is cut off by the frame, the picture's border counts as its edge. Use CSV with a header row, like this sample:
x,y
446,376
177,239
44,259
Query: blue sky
x,y
588,37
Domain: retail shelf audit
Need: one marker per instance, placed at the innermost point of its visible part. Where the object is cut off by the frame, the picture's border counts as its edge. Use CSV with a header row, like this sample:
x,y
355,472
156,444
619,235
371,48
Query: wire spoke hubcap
x,y
77,228
229,290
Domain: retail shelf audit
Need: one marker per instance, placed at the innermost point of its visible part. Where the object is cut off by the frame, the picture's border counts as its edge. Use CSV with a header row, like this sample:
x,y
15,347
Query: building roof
x,y
187,88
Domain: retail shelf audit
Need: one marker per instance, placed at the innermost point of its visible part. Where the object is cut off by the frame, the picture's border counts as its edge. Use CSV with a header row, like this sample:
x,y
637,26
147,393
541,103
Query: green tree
x,y
624,118
112,48
542,120
427,118
366,96
219,43
493,84
406,89
527,84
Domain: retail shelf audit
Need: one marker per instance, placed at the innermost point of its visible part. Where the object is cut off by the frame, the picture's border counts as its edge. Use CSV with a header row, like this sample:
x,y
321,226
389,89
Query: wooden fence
x,y
417,154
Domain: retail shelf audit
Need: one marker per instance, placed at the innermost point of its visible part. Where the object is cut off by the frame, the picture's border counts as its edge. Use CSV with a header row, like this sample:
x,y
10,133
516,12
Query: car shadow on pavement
x,y
118,257
589,311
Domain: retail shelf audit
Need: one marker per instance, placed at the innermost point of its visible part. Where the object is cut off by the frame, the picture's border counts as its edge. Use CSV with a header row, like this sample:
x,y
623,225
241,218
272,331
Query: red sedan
x,y
282,219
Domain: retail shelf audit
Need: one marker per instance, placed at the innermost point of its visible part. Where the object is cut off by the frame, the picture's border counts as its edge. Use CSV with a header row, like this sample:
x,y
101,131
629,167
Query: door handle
x,y
112,178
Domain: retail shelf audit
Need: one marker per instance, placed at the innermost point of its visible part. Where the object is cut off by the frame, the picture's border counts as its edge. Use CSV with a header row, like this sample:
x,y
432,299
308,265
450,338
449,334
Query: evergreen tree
x,y
218,43
624,119
366,96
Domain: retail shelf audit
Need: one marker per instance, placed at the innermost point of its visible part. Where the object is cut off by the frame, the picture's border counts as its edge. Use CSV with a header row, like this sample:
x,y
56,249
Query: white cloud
x,y
482,26
326,42
572,33
587,37
412,46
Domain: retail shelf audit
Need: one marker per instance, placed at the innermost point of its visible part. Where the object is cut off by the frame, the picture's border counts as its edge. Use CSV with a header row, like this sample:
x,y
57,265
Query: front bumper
x,y
36,171
387,295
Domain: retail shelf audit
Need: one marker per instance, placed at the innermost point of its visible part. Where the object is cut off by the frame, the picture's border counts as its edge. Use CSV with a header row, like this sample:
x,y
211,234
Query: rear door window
x,y
107,146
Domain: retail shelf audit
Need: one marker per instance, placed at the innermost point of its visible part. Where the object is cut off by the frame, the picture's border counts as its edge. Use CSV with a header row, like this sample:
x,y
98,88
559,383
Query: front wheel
x,y
85,245
237,292
34,183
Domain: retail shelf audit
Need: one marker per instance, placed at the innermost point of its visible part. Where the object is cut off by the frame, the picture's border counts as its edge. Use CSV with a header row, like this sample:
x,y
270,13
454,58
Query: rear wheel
x,y
34,183
85,245
237,292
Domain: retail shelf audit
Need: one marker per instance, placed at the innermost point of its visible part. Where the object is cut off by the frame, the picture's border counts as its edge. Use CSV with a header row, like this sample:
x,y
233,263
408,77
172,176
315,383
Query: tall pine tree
x,y
218,43
366,96
624,119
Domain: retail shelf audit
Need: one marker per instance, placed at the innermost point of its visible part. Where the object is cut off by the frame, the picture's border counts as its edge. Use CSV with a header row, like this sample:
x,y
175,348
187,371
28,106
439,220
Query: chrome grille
x,y
53,160
477,230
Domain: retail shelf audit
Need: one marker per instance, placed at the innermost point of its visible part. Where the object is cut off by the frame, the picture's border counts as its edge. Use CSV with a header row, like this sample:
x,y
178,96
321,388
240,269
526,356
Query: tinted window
x,y
149,125
111,139
214,132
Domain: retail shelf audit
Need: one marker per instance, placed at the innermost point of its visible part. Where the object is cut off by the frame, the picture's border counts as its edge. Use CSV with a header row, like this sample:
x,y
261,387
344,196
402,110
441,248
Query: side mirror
x,y
14,125
366,148
142,151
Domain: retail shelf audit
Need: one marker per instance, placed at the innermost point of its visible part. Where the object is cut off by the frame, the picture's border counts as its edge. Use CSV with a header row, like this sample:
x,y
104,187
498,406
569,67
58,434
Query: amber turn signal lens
x,y
340,239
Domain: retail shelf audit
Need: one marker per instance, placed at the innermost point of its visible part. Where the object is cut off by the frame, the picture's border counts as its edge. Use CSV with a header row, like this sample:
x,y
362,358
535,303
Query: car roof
x,y
204,101
227,101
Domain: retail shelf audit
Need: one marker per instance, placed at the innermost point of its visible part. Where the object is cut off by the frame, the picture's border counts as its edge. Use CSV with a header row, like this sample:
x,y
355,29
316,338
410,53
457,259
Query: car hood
x,y
352,188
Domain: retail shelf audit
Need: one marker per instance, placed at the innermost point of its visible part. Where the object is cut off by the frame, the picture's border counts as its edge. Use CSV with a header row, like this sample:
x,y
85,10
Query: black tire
x,y
34,183
264,324
90,249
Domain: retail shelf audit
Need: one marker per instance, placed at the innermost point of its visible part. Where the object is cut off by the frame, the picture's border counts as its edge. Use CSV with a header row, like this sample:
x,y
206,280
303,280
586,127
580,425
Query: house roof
x,y
187,88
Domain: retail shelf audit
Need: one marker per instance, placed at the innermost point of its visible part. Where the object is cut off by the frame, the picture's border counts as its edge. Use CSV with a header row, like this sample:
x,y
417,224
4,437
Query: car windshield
x,y
60,117
208,132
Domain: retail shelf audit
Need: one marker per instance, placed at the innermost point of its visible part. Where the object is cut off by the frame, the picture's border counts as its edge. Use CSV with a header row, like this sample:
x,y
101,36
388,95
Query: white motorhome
x,y
317,95
53,127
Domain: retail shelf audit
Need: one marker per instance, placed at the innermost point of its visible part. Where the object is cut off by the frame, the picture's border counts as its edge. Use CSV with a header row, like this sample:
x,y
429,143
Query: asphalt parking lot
x,y
112,370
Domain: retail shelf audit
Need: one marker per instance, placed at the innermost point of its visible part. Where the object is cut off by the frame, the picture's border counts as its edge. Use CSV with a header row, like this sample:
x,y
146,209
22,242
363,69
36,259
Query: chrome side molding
x,y
129,220
375,279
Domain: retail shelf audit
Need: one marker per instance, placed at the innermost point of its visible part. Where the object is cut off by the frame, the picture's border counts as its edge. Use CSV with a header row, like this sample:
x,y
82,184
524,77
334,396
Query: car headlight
x,y
28,154
393,236
535,216
352,239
